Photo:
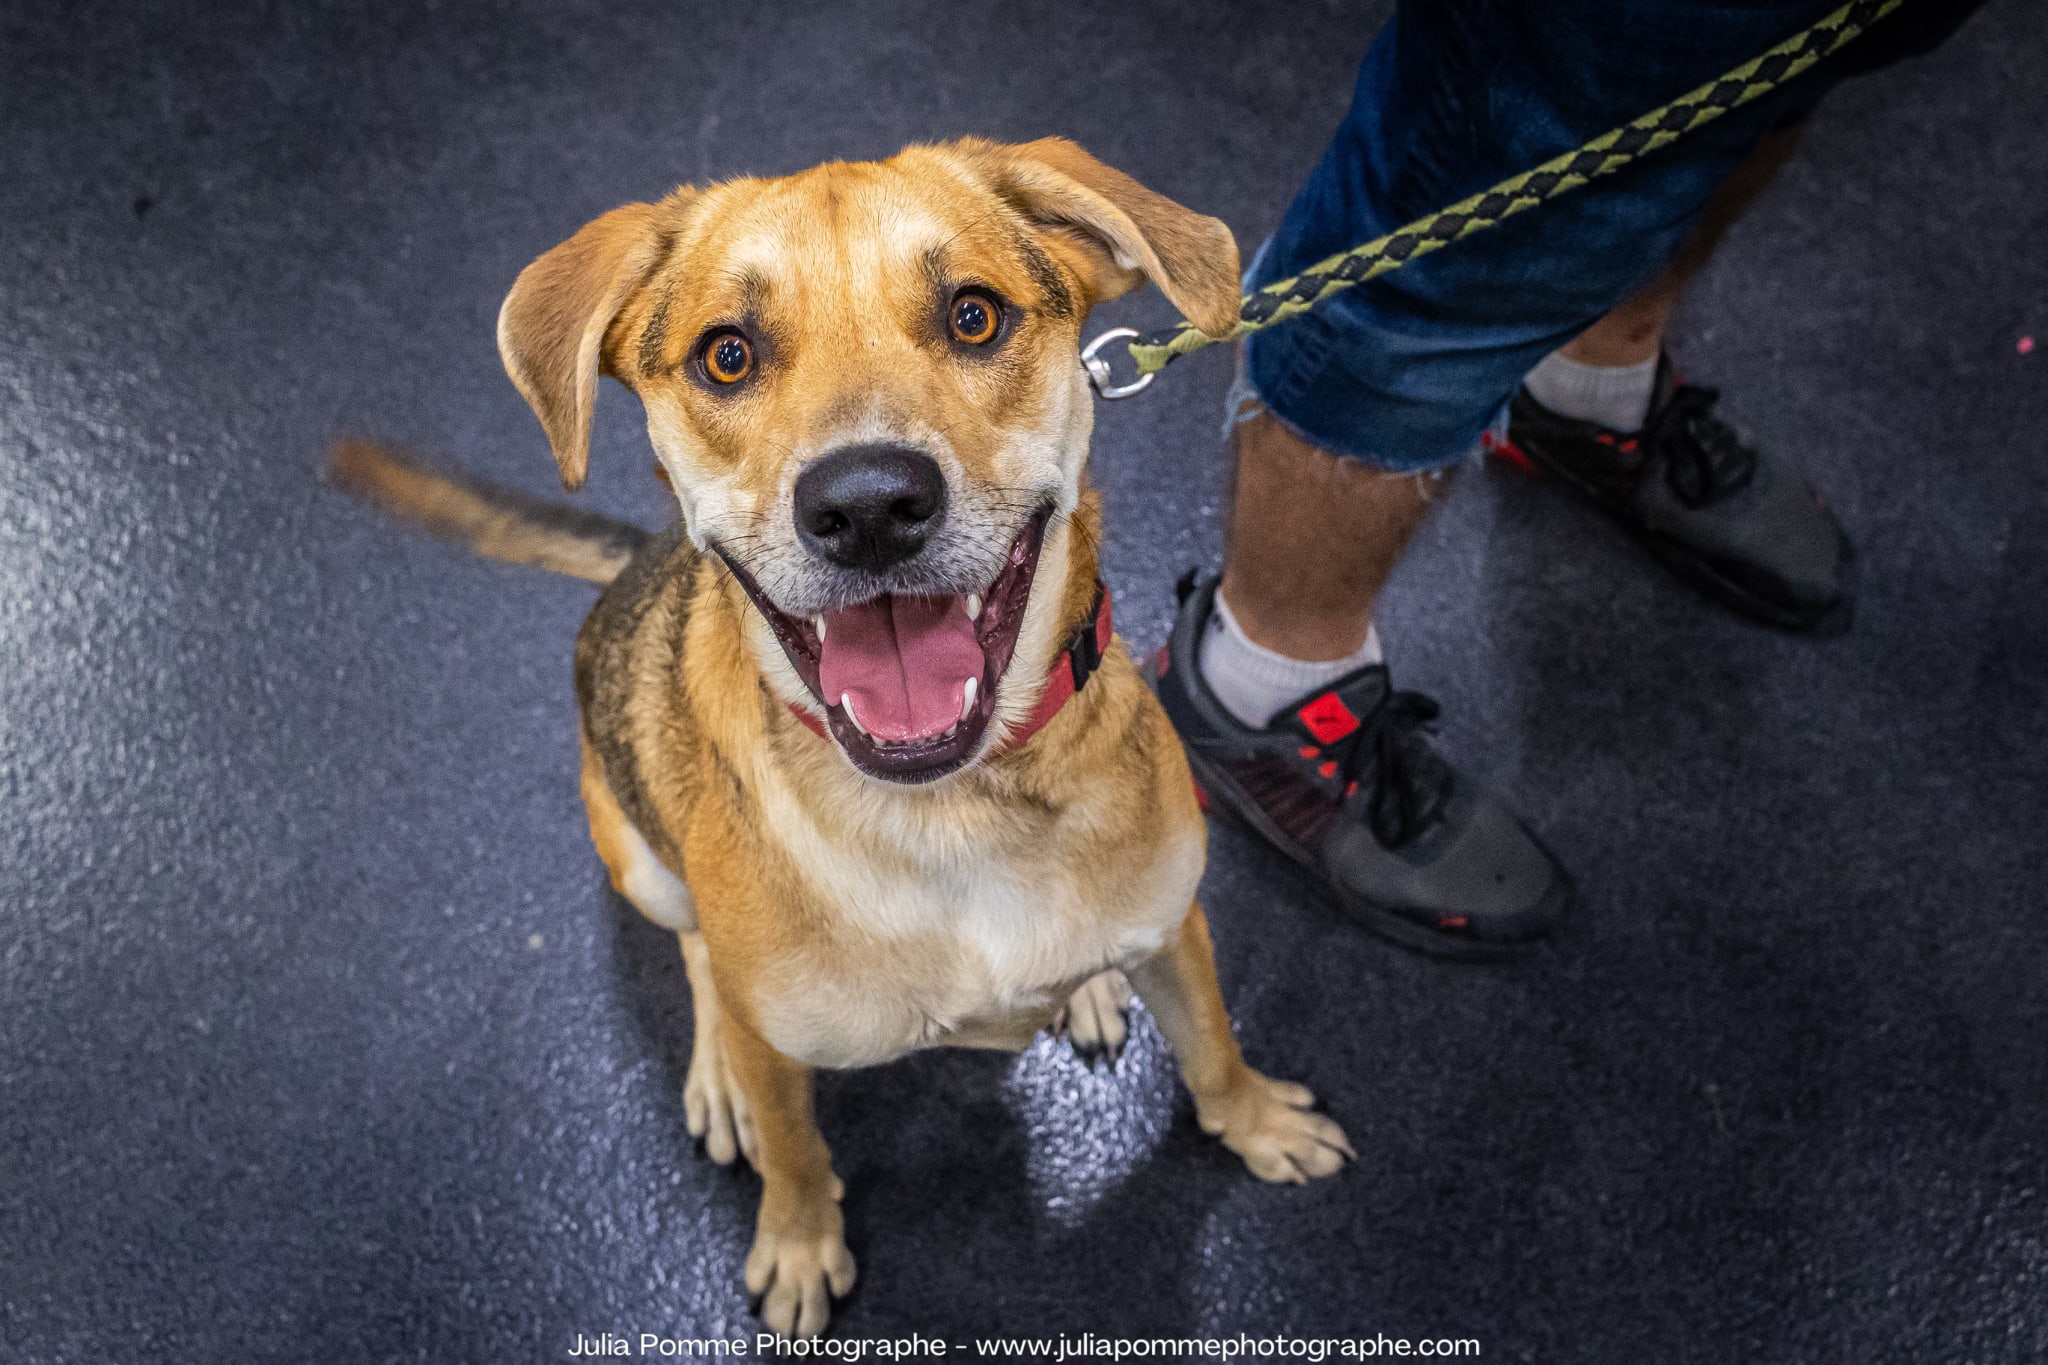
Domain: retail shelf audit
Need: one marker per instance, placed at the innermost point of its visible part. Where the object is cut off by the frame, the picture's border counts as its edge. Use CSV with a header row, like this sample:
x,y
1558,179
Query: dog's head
x,y
862,383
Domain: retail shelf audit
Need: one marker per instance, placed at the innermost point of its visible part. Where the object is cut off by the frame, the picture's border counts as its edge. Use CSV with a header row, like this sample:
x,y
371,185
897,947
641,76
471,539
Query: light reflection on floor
x,y
1090,1124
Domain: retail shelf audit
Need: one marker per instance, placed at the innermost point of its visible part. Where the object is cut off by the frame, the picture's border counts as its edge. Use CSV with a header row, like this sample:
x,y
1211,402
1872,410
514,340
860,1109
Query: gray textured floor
x,y
322,1038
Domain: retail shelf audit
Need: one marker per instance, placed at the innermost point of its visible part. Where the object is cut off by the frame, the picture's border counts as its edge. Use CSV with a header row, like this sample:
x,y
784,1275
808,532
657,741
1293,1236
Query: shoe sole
x,y
1223,802
1694,571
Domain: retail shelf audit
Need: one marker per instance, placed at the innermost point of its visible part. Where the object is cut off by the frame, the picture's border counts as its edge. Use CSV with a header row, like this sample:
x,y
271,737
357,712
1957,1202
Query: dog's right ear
x,y
551,330
1127,233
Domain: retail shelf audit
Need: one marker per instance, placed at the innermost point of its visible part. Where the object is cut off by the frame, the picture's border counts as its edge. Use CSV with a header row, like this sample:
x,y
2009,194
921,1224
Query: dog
x,y
856,727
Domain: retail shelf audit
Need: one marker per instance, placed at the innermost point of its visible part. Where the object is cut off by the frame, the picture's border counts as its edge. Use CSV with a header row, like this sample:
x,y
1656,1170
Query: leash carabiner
x,y
1099,377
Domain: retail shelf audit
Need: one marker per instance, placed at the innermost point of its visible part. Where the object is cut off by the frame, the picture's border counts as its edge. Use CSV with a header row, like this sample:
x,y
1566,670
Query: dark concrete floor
x,y
322,1037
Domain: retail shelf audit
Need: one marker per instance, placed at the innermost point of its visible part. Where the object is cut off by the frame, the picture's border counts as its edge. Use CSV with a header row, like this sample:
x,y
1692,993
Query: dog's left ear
x,y
1127,233
551,330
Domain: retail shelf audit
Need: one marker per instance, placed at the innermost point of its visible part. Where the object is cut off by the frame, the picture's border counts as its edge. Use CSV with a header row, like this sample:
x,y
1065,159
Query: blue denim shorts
x,y
1405,372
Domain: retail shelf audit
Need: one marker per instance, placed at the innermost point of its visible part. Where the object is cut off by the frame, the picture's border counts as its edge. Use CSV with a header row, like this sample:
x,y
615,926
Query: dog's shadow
x,y
986,1192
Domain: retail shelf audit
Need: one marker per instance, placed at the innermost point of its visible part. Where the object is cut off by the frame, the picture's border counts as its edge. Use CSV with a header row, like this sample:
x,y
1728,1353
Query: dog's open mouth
x,y
908,684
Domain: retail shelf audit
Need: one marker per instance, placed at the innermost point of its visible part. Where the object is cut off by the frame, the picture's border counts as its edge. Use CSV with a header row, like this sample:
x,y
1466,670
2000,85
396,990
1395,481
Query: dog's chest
x,y
964,949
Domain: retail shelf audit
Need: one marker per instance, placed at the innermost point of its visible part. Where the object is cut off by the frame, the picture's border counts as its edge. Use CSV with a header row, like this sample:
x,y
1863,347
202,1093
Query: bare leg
x,y
1634,331
1291,495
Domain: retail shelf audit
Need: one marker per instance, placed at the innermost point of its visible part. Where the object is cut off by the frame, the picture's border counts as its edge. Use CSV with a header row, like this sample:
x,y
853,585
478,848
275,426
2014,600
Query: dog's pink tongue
x,y
904,662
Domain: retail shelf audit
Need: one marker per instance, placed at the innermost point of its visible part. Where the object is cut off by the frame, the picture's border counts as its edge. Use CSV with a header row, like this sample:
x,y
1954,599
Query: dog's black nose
x,y
870,506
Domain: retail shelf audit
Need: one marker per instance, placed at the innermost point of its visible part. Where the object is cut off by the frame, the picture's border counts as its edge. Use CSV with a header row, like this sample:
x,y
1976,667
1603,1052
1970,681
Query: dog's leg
x,y
799,1260
1267,1122
1094,1019
712,1105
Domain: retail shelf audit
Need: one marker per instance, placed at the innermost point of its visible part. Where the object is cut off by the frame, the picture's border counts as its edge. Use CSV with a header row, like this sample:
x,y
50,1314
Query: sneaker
x,y
1345,783
1736,524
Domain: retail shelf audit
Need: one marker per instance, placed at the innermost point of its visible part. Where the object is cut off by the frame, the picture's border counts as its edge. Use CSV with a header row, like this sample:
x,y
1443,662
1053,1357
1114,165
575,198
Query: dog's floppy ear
x,y
1127,232
551,329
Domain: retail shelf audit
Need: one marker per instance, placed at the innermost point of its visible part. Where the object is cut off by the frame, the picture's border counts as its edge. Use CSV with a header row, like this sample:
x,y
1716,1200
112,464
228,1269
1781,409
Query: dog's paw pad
x,y
1095,1019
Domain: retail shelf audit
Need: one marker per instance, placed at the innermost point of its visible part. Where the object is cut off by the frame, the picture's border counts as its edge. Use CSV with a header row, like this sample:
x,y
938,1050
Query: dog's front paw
x,y
1272,1126
1094,1019
798,1270
714,1107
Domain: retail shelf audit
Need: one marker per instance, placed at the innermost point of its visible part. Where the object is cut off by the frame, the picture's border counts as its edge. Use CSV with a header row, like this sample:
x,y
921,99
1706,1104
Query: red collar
x,y
1070,673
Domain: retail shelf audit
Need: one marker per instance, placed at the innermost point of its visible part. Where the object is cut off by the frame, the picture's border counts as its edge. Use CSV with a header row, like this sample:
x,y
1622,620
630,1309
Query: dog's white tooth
x,y
846,705
820,623
974,606
967,698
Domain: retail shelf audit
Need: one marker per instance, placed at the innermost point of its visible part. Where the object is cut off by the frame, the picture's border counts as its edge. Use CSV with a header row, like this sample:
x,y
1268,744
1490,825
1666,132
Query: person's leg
x,y
1286,621
1608,373
1288,492
1406,372
1275,684
1633,331
1387,385
1607,416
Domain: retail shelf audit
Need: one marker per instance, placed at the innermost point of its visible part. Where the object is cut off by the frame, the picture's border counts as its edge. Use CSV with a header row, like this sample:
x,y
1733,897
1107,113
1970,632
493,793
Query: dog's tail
x,y
491,520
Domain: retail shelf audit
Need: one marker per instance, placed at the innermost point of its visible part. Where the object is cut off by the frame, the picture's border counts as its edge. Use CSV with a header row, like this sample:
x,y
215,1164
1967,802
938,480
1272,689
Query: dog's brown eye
x,y
975,318
728,358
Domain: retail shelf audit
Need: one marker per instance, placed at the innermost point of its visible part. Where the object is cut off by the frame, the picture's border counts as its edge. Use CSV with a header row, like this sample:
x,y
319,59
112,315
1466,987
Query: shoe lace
x,y
1408,783
1706,459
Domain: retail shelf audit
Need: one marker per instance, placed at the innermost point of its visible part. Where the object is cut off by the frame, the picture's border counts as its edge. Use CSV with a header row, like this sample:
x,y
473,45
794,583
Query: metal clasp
x,y
1098,367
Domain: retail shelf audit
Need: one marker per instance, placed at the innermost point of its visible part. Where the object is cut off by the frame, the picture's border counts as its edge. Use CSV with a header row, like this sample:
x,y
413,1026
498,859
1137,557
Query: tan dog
x,y
861,383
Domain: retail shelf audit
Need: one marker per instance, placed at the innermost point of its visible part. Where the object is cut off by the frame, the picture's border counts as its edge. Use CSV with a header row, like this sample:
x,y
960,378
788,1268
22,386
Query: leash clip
x,y
1099,377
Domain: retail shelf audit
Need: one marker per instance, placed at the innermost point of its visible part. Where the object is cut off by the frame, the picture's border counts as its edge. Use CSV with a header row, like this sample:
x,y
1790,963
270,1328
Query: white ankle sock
x,y
1252,681
1616,396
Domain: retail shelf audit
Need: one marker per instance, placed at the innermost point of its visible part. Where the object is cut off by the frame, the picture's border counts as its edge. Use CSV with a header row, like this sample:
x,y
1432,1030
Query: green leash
x,y
1604,155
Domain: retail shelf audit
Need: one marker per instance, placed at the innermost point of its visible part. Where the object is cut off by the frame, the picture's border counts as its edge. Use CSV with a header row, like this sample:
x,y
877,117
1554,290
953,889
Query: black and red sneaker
x,y
1695,491
1345,783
